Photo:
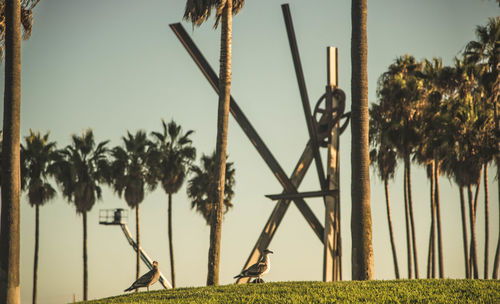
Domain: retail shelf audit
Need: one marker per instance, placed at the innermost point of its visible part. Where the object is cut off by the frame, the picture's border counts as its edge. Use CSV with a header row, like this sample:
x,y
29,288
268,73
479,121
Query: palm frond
x,y
198,11
37,156
201,186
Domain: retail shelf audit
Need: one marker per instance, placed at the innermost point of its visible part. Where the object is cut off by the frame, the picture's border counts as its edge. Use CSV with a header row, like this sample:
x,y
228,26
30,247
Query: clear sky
x,y
115,66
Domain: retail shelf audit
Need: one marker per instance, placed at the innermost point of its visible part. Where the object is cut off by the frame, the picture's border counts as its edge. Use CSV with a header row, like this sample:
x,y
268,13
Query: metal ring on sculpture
x,y
324,127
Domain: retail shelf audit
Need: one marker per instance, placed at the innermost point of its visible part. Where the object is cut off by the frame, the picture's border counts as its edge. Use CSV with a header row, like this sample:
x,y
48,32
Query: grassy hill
x,y
401,291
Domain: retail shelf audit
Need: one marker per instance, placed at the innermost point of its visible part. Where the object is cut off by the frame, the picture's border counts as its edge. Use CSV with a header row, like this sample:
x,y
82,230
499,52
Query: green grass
x,y
402,291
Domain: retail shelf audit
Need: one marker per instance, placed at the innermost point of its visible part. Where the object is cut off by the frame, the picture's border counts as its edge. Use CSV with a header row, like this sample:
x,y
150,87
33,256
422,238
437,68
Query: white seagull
x,y
147,279
258,269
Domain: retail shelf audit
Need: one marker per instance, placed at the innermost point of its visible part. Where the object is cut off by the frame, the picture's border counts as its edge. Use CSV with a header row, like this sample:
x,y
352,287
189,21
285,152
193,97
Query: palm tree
x,y
484,53
468,130
79,170
170,159
361,220
200,187
36,158
439,84
197,11
10,39
384,158
451,158
129,175
400,93
425,156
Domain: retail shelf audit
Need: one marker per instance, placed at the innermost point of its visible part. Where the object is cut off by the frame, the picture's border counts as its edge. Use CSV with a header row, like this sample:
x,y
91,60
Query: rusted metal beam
x,y
311,125
248,129
275,197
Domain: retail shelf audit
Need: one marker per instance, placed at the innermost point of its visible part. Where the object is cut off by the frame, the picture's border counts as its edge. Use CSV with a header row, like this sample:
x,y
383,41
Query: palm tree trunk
x,y
486,222
11,188
410,209
361,219
407,221
464,233
138,241
35,263
473,252
430,256
85,266
170,240
497,252
476,196
391,235
412,220
431,265
496,262
221,144
438,220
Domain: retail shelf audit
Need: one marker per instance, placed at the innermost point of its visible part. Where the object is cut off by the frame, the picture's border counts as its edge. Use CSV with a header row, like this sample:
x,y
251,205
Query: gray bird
x,y
258,269
147,279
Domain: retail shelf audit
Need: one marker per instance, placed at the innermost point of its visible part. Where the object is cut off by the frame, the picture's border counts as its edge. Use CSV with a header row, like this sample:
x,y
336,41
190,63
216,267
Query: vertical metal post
x,y
331,257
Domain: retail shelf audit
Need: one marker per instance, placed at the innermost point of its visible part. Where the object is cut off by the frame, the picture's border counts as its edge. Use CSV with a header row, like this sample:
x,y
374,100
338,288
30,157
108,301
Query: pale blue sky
x,y
116,66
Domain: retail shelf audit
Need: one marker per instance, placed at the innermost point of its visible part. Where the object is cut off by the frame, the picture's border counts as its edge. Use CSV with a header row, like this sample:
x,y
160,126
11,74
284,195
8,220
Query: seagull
x,y
258,269
147,279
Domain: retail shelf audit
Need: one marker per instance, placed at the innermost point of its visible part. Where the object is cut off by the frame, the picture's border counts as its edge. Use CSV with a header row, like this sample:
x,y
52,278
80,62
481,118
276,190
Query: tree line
x,y
444,118
138,166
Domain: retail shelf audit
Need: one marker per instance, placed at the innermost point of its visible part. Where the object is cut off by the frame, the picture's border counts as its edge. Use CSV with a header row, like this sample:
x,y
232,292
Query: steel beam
x,y
248,129
275,197
311,125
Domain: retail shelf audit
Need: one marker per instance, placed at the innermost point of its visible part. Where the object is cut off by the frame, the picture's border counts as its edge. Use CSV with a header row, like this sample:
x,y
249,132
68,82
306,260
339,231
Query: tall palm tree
x,y
439,83
37,156
172,154
200,186
129,175
484,52
400,93
79,171
384,158
465,160
10,39
361,220
197,11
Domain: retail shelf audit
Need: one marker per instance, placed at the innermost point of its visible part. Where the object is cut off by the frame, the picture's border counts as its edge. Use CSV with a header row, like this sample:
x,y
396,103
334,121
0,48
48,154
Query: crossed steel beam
x,y
311,151
311,125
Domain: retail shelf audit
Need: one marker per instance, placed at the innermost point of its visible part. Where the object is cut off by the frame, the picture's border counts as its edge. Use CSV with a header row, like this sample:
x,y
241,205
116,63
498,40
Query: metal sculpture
x,y
323,131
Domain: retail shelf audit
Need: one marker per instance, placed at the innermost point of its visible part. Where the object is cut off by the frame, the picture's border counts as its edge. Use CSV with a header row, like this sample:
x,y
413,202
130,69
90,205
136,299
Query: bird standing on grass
x,y
148,279
258,269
